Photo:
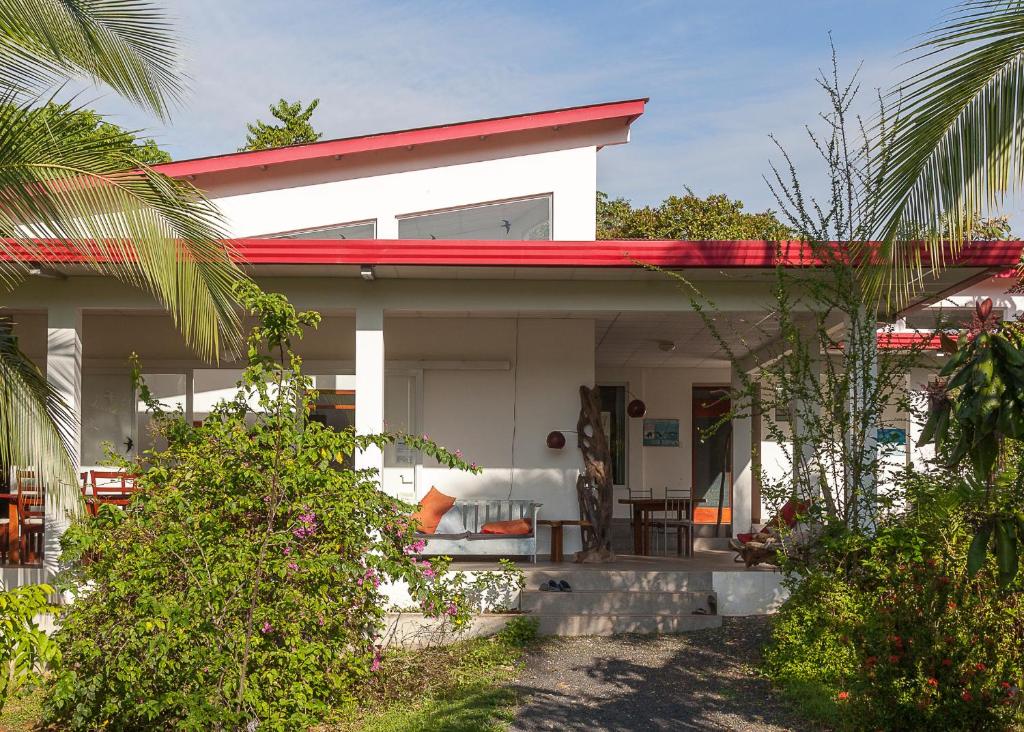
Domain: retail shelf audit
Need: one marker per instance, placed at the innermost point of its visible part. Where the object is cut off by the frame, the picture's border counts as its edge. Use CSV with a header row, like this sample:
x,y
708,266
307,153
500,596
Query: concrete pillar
x,y
370,382
742,467
64,373
917,380
806,417
864,342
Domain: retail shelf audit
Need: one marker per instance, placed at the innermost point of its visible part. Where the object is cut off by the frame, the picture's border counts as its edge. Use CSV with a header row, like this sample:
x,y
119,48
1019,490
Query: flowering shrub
x,y
899,635
243,586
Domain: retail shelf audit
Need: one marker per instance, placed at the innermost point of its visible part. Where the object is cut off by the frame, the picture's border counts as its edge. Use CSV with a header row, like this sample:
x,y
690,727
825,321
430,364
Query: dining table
x,y
642,510
13,543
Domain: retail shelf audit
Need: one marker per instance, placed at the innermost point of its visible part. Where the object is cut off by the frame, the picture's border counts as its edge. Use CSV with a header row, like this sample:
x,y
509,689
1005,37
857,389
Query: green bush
x,y
25,648
242,587
897,635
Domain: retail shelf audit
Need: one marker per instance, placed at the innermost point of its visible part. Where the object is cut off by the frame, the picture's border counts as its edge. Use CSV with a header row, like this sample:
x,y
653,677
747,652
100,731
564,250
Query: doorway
x,y
711,454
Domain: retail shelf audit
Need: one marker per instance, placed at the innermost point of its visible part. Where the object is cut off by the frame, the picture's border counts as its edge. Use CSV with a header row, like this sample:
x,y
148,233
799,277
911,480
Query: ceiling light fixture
x,y
666,346
367,273
46,273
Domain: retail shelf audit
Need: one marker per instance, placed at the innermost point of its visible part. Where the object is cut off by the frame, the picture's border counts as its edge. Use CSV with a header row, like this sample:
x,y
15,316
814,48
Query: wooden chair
x,y
641,529
111,487
90,504
31,516
678,515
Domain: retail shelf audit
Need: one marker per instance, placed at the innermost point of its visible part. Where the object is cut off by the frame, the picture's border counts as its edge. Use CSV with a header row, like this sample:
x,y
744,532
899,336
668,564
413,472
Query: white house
x,y
464,296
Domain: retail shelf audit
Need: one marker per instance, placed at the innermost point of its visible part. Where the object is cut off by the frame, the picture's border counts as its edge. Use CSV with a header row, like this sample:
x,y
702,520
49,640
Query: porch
x,y
484,359
636,594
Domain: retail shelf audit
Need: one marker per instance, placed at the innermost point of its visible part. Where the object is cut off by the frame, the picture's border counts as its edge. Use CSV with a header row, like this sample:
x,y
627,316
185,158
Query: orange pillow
x,y
510,528
433,506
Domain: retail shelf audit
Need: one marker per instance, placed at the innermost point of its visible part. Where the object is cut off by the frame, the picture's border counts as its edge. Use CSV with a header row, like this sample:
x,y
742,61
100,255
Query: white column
x,y
862,391
370,382
742,467
64,373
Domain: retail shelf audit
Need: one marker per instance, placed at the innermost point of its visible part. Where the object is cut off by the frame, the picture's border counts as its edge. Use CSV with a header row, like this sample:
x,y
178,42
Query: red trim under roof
x,y
627,110
491,253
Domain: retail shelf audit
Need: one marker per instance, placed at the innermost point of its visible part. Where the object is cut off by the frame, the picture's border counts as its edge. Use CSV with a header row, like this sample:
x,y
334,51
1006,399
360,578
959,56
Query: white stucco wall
x,y
668,394
308,201
491,387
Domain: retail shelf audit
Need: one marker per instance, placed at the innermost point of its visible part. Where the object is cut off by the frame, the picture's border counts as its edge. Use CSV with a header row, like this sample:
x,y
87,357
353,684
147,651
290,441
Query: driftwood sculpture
x,y
594,487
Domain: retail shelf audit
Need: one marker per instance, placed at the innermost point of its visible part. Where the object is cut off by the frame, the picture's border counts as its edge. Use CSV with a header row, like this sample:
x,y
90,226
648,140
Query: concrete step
x,y
572,625
603,602
623,579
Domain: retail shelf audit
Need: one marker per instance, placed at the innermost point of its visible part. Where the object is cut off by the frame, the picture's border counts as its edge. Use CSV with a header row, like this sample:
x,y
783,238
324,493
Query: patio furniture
x,y
678,515
643,510
111,487
640,530
474,542
556,534
31,519
763,546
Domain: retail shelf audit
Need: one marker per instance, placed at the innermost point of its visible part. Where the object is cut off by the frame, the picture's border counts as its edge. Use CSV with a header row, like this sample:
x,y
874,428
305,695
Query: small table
x,y
556,534
642,508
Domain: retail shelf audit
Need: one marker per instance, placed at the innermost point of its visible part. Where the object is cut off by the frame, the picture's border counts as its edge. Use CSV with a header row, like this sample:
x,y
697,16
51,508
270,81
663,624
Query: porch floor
x,y
707,560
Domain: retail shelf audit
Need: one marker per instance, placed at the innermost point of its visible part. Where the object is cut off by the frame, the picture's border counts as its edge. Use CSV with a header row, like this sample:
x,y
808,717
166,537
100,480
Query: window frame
x,y
549,195
326,227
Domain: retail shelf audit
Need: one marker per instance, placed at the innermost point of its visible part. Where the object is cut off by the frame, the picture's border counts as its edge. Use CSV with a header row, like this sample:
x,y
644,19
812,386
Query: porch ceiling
x,y
651,340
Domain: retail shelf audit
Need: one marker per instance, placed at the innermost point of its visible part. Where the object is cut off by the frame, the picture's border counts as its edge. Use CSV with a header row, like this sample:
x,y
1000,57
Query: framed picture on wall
x,y
661,433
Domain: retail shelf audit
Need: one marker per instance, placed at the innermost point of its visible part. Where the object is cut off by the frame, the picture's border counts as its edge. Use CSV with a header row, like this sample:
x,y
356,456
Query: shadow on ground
x,y
698,681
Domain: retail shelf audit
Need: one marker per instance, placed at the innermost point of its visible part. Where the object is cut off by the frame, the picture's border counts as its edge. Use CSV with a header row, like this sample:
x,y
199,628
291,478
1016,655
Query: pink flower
x,y
266,627
287,550
307,525
416,547
472,466
429,573
458,454
375,664
293,566
452,609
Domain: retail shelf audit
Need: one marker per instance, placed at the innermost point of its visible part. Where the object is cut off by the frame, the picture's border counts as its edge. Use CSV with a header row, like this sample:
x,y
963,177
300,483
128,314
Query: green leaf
x,y
978,549
1006,550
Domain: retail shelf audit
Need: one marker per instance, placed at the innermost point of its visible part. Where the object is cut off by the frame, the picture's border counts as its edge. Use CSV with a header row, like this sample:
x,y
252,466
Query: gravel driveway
x,y
697,681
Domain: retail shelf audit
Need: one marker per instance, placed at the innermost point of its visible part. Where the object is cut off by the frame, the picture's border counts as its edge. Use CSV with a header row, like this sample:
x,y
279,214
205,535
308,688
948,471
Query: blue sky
x,y
721,75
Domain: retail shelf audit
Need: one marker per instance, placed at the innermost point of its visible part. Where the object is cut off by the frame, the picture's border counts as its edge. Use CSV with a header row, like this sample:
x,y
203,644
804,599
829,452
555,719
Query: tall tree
x,y
86,126
106,207
294,128
956,145
688,217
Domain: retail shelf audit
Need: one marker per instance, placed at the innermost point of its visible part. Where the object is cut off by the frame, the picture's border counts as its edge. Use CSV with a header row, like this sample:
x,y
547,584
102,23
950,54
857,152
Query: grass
x,y
457,688
23,712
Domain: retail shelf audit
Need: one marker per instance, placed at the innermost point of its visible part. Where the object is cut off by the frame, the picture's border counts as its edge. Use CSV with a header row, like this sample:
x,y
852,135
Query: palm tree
x,y
92,203
956,141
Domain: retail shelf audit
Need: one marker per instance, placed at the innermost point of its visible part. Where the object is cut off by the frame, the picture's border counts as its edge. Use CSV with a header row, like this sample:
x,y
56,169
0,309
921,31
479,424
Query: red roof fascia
x,y
628,110
906,341
500,253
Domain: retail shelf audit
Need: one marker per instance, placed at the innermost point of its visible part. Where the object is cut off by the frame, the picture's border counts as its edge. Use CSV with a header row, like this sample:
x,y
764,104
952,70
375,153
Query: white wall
x,y
500,418
668,394
515,380
570,175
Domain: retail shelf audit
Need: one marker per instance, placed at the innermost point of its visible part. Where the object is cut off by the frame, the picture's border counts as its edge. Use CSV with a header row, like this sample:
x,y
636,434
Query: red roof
x,y
501,253
627,110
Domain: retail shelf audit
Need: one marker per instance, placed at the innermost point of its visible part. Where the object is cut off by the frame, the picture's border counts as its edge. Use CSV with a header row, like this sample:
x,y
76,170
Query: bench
x,y
472,542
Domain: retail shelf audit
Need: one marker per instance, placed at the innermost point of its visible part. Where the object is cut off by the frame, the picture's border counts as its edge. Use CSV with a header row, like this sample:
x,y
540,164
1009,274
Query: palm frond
x,y
957,140
73,202
34,421
127,44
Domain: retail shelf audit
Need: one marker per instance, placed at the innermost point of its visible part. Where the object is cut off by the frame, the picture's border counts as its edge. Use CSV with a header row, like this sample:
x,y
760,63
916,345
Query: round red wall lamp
x,y
555,440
